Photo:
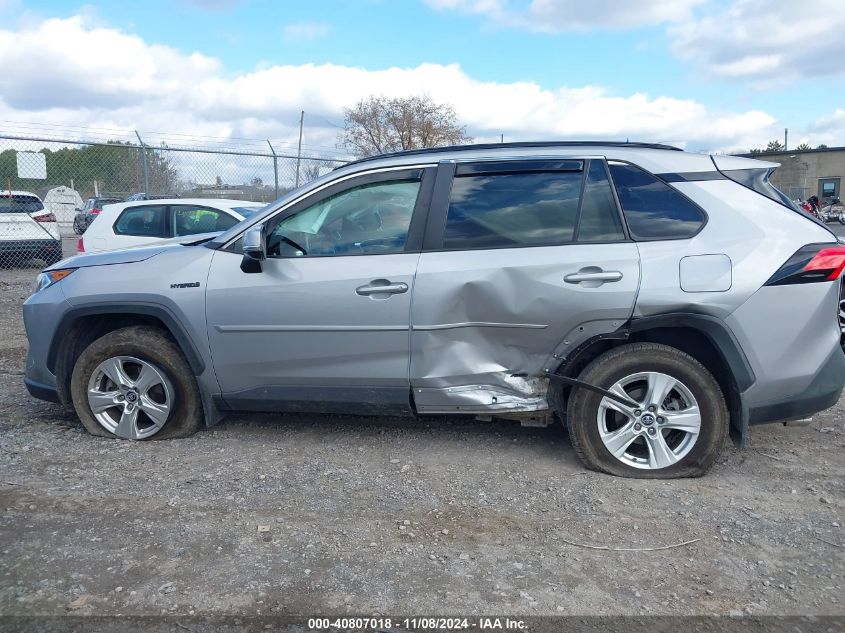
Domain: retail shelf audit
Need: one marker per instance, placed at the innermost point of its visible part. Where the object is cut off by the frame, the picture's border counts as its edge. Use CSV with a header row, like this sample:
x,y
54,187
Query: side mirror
x,y
254,249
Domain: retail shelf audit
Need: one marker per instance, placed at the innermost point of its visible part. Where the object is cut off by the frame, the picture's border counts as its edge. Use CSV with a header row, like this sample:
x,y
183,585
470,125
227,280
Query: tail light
x,y
80,246
48,217
810,264
95,211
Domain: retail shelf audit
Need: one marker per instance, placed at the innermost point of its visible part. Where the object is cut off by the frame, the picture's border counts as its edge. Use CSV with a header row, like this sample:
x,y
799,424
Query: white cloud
x,y
555,16
765,40
303,31
68,72
828,129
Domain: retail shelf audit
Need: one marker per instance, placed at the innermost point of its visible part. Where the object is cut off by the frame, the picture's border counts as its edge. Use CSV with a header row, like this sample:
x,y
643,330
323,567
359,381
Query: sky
x,y
707,75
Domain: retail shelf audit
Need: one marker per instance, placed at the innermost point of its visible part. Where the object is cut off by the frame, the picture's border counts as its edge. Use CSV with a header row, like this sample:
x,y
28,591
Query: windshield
x,y
20,204
247,211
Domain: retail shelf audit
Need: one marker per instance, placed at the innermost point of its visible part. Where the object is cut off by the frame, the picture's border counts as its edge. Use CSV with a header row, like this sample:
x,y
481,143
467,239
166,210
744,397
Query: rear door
x,y
522,260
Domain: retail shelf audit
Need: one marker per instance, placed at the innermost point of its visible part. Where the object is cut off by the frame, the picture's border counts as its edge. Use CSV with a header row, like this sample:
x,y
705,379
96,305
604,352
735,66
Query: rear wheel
x,y
675,423
134,383
842,316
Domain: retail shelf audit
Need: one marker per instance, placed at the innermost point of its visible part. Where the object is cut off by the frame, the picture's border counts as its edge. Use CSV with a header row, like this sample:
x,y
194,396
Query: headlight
x,y
46,279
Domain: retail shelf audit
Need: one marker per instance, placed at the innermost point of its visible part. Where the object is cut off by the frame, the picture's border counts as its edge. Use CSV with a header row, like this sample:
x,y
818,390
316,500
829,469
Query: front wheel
x,y
676,422
135,384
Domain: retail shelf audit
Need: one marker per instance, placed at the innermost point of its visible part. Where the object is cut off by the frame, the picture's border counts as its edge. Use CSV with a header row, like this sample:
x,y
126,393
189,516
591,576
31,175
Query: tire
x,y
166,401
597,424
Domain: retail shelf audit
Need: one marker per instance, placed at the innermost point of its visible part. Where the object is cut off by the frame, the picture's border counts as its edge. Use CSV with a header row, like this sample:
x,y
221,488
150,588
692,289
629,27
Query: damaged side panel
x,y
486,324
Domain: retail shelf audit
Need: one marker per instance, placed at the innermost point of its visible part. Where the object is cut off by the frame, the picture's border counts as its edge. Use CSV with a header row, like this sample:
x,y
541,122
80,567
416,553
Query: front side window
x,y
653,209
192,219
511,210
145,221
365,220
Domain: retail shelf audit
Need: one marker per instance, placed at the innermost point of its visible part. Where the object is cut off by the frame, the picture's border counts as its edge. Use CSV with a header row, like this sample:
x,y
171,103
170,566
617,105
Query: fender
x,y
715,329
160,312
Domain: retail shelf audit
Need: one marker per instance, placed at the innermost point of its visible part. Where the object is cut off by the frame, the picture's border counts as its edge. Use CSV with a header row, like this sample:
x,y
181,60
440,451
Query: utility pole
x,y
144,157
785,136
502,138
299,149
275,169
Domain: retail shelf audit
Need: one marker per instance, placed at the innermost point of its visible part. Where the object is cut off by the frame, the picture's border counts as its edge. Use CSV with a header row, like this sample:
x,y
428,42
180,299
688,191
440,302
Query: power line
x,y
174,140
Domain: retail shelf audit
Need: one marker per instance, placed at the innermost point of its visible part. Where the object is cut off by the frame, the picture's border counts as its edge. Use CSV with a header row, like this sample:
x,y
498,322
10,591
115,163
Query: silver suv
x,y
651,299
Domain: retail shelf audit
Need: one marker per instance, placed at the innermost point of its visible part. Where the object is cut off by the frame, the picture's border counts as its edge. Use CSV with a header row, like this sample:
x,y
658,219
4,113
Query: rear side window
x,y
146,221
653,209
502,210
20,204
532,208
599,221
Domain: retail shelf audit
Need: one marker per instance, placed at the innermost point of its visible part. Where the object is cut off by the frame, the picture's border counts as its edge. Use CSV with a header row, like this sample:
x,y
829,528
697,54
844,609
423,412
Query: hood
x,y
133,253
122,256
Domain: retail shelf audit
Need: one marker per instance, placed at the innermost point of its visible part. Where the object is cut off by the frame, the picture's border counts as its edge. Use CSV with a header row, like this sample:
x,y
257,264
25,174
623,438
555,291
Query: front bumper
x,y
41,391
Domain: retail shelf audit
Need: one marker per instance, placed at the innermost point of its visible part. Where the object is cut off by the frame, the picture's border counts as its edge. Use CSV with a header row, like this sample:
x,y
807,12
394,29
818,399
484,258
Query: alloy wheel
x,y
130,397
660,431
842,322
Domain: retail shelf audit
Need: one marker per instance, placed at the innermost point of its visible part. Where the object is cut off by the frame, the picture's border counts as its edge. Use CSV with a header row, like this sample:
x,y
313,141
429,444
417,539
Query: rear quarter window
x,y
653,209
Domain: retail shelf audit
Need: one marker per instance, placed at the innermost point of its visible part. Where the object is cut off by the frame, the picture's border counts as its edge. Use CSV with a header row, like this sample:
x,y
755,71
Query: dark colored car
x,y
84,216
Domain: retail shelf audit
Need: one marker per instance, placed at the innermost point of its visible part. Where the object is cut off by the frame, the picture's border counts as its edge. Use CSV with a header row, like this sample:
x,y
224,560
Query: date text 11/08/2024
x,y
418,623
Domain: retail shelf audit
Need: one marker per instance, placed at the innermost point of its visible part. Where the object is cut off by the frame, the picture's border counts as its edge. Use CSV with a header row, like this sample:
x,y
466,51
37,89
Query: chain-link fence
x,y
791,178
51,189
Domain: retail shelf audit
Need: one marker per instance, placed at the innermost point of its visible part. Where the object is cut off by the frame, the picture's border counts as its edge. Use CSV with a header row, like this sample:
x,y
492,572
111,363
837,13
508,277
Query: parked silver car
x,y
649,298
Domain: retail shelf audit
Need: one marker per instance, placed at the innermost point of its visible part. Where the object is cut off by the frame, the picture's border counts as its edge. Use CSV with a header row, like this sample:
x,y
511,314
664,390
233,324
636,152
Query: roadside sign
x,y
32,165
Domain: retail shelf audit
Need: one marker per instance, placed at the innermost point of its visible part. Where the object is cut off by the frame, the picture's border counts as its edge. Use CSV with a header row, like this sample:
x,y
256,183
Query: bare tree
x,y
377,125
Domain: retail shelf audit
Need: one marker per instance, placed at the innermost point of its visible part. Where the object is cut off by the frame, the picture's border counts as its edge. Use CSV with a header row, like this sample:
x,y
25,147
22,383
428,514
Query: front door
x,y
531,259
324,325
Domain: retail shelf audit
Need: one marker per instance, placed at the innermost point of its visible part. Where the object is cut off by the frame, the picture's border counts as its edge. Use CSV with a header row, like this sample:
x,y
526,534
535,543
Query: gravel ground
x,y
273,514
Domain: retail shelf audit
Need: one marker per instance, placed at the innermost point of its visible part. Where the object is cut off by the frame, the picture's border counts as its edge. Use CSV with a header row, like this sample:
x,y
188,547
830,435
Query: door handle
x,y
590,274
381,286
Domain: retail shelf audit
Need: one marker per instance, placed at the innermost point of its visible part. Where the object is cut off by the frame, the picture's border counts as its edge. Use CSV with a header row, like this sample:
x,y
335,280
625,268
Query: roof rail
x,y
523,144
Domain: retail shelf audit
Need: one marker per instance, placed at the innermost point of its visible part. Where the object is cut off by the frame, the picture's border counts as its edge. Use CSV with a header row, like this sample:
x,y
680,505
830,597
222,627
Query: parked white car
x,y
144,222
27,230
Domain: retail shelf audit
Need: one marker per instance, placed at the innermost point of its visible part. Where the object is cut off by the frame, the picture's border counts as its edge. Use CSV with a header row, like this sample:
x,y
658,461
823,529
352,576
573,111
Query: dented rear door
x,y
522,260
